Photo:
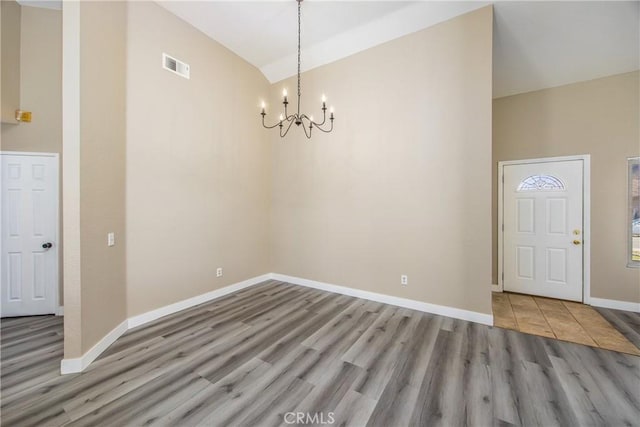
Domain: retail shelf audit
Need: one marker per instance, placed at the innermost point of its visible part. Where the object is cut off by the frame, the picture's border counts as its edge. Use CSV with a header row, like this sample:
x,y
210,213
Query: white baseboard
x,y
60,310
617,305
152,315
495,288
78,364
457,313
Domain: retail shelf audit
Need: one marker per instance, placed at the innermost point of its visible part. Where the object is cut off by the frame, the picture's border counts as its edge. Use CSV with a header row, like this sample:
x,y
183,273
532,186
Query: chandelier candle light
x,y
286,120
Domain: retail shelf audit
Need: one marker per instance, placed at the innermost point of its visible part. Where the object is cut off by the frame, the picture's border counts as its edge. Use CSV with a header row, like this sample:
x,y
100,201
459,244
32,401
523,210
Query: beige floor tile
x,y
505,323
502,312
522,301
566,328
529,317
587,316
547,304
564,320
559,316
534,329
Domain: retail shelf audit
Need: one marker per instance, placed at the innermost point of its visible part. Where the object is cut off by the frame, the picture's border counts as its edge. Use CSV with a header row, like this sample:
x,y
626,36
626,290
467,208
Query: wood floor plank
x,y
333,350
235,351
250,357
401,391
282,376
37,343
353,409
386,356
476,378
502,365
269,408
50,330
234,310
375,338
299,334
335,326
143,404
605,388
53,351
202,404
584,396
326,395
542,381
438,402
114,377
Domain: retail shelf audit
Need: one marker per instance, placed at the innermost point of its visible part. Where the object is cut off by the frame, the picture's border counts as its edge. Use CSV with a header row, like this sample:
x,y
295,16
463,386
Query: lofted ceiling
x,y
537,44
265,33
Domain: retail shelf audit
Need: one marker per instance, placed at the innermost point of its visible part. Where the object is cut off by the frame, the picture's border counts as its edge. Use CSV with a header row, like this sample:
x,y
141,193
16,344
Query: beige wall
x,y
10,56
103,118
40,82
403,185
198,164
601,118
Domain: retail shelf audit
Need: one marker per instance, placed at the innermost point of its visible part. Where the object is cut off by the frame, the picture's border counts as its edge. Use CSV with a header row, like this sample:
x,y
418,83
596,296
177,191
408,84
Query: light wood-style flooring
x,y
564,320
249,358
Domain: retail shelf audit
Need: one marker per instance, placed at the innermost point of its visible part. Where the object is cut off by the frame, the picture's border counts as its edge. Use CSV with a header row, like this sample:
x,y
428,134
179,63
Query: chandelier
x,y
286,120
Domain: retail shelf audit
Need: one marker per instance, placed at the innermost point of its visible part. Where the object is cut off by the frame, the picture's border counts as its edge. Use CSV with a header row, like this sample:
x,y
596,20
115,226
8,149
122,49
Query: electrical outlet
x,y
111,239
404,280
219,272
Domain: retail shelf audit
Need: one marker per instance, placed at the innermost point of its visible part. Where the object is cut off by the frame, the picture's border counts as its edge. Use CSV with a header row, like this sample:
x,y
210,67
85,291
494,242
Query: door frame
x,y
586,217
56,192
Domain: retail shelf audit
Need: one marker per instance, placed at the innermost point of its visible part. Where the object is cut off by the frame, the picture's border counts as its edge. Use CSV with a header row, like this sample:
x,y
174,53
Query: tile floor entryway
x,y
563,320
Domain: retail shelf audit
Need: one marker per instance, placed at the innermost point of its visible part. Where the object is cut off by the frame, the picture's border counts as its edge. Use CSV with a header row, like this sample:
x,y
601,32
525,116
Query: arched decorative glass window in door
x,y
541,183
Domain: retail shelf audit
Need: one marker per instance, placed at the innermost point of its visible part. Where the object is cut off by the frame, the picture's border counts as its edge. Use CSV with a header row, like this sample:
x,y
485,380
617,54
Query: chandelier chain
x,y
299,91
306,122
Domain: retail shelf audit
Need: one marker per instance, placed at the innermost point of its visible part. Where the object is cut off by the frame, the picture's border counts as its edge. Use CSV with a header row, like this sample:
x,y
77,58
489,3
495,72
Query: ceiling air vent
x,y
176,66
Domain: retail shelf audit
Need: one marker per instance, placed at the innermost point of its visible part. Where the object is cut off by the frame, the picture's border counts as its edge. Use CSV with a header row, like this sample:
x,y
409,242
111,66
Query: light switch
x,y
111,239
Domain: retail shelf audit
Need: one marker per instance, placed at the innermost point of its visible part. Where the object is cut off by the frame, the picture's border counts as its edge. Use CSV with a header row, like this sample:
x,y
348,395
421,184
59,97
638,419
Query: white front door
x,y
543,226
29,265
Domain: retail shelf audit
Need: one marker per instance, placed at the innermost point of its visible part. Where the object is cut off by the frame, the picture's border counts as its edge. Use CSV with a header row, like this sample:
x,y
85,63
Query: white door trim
x,y
586,186
56,192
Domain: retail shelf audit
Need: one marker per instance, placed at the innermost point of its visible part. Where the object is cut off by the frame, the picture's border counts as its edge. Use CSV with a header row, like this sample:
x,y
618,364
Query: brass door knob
x,y
576,242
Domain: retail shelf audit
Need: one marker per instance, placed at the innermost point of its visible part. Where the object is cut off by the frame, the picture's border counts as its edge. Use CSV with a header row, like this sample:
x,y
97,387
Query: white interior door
x,y
29,267
543,228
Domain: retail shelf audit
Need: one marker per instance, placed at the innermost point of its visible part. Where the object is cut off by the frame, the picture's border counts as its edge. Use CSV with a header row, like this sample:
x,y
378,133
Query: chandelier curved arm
x,y
324,119
304,128
288,127
319,125
291,117
326,130
269,127
324,116
311,122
